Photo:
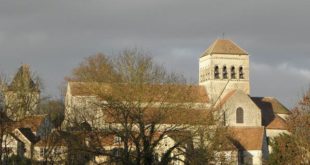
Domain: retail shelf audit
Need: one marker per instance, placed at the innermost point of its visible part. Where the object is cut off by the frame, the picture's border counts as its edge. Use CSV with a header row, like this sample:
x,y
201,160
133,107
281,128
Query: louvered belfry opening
x,y
216,72
232,72
224,72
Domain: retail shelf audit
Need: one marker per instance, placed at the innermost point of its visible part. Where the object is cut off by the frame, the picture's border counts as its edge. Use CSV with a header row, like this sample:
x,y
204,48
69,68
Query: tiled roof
x,y
86,88
277,123
47,142
106,140
270,107
55,138
32,122
188,93
247,138
95,138
22,79
270,103
224,46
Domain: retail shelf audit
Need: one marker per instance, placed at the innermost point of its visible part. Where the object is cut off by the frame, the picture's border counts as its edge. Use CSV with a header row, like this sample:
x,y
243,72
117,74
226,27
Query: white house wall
x,y
253,157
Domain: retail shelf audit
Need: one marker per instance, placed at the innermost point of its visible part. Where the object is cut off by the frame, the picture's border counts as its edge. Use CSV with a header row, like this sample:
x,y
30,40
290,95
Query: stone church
x,y
224,71
224,84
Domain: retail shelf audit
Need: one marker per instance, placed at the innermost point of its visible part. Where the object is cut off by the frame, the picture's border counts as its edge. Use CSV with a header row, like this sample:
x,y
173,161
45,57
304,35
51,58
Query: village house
x,y
20,137
113,144
21,128
51,149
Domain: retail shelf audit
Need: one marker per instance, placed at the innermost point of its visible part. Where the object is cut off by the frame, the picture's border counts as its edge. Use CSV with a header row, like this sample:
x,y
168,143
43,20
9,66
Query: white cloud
x,y
286,67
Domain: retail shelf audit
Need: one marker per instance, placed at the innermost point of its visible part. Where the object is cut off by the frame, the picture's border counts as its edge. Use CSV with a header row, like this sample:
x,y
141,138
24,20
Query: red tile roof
x,y
55,138
50,143
32,122
277,123
270,107
270,104
224,46
247,138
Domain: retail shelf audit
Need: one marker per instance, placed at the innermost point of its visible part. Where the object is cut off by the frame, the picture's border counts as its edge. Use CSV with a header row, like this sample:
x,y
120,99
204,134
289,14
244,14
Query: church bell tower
x,y
224,67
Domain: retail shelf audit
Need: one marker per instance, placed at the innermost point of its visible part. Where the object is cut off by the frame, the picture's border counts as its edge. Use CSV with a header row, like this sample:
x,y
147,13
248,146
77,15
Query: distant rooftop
x,y
23,80
224,46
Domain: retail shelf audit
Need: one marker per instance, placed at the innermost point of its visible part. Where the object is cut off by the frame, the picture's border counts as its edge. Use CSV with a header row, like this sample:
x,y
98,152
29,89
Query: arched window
x,y
216,72
241,72
239,115
224,72
232,72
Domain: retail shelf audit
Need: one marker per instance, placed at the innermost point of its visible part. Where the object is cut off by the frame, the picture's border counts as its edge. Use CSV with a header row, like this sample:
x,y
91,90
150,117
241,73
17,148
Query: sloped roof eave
x,y
224,46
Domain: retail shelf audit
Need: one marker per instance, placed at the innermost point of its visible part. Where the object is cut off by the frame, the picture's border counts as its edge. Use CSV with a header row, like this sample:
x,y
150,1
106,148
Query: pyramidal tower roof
x,y
22,79
224,46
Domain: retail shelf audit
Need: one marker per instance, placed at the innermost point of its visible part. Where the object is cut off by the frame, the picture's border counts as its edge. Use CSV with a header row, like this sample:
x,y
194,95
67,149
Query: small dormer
x,y
224,65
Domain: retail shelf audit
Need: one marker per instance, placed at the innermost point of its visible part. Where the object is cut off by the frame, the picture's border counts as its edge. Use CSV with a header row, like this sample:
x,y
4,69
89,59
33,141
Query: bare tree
x,y
213,144
53,148
22,95
4,122
96,68
143,105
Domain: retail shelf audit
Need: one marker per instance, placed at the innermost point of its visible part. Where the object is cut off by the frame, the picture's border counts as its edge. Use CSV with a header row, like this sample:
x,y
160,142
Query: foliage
x,y
294,148
285,150
55,148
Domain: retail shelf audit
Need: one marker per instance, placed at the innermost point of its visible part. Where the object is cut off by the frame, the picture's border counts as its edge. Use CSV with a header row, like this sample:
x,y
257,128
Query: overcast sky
x,y
54,37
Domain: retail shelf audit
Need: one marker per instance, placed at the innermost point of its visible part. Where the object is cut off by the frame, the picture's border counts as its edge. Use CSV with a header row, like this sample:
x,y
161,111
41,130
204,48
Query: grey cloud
x,y
284,81
54,36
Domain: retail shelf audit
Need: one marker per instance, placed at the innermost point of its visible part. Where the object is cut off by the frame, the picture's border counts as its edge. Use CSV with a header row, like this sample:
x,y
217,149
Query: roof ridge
x,y
247,126
239,46
213,45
